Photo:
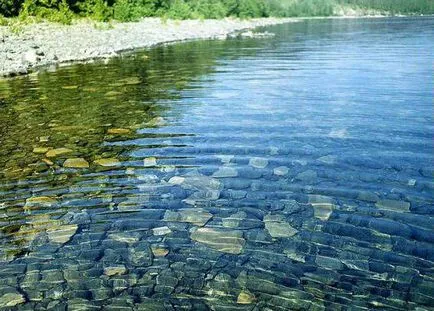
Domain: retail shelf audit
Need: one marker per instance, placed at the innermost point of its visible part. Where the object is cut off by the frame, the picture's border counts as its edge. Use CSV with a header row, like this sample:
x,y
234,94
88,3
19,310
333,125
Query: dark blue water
x,y
286,173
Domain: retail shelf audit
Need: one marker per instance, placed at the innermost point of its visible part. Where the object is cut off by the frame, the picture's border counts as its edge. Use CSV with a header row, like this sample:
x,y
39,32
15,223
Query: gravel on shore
x,y
45,43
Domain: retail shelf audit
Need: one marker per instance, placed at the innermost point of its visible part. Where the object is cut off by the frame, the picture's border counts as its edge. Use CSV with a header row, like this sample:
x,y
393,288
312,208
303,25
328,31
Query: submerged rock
x,y
393,205
115,270
176,180
118,131
57,152
61,234
308,176
161,230
11,299
35,203
225,172
258,162
246,298
226,241
323,206
151,161
277,226
159,251
40,150
281,171
194,216
76,163
108,162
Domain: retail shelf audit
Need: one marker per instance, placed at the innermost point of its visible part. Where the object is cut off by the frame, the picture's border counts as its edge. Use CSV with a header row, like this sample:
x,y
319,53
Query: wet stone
x,y
62,234
151,161
308,176
140,255
118,131
393,205
76,163
258,162
240,220
227,241
115,270
57,152
277,226
368,196
11,299
194,216
246,298
36,202
123,237
108,162
159,251
281,171
328,262
40,150
225,172
161,231
323,206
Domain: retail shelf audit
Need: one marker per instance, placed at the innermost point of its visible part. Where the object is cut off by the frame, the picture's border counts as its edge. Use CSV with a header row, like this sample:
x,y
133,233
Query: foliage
x,y
63,11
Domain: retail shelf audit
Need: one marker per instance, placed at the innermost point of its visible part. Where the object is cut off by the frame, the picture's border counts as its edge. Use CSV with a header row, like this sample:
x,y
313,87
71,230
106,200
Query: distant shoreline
x,y
43,44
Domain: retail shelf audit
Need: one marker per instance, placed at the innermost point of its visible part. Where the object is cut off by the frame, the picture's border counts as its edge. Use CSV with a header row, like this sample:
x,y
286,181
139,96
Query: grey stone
x,y
227,241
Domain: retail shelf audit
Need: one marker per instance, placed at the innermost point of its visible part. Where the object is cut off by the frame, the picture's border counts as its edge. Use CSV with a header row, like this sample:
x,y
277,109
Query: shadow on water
x,y
287,173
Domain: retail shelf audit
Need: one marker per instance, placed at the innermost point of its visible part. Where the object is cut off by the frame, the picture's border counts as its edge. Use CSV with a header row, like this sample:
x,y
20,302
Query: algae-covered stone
x,y
40,150
159,251
277,226
11,299
76,163
118,131
323,206
393,205
61,234
37,202
246,298
258,162
57,152
108,162
226,241
194,216
115,270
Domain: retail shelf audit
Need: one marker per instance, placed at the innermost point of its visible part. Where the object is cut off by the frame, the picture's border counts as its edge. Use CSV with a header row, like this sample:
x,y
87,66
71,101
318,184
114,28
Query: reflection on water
x,y
291,173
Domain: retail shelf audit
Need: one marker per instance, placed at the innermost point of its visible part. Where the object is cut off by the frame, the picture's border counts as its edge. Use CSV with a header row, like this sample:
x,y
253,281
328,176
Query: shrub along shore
x,y
65,11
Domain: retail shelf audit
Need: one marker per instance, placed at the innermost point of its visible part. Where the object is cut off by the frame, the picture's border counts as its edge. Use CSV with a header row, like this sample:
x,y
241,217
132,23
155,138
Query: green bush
x,y
97,10
179,9
131,10
207,9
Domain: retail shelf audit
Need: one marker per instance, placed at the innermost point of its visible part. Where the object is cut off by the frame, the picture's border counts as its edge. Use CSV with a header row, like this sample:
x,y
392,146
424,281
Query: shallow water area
x,y
292,172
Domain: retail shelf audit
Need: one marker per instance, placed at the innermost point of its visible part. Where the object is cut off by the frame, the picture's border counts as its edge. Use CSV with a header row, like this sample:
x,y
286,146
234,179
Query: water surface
x,y
287,173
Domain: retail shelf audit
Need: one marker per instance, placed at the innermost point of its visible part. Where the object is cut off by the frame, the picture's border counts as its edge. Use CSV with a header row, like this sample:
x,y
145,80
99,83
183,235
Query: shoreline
x,y
45,44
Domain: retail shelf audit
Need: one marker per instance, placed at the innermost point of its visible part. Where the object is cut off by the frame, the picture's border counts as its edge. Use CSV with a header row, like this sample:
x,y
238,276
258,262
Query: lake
x,y
292,172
